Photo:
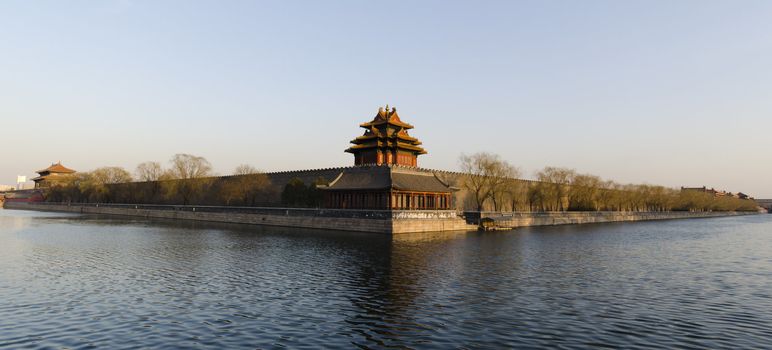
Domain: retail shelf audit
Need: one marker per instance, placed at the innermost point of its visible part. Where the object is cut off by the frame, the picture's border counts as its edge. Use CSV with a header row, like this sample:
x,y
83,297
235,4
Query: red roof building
x,y
386,176
51,175
386,141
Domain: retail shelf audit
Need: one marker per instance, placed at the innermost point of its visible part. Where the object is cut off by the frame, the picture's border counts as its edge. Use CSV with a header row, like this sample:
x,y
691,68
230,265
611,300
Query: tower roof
x,y
386,116
386,134
56,168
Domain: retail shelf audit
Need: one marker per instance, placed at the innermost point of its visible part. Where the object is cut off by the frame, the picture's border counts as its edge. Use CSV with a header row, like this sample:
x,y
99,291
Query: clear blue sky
x,y
662,92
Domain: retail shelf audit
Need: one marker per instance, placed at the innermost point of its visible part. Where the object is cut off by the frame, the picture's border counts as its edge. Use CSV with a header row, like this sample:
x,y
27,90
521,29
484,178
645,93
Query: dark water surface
x,y
69,281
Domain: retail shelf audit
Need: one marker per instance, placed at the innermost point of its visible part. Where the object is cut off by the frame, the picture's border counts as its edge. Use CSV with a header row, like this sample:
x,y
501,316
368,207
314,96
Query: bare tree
x,y
555,184
93,185
245,169
486,177
111,175
187,166
503,184
149,171
247,185
517,192
189,176
584,193
68,188
536,196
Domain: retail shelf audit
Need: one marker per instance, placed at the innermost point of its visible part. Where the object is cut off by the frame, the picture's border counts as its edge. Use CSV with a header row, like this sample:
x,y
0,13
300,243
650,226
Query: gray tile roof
x,y
417,182
376,179
385,178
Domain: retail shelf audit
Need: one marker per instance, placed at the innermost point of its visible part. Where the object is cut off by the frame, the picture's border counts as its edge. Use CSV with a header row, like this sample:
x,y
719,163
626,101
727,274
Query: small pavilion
x,y
54,174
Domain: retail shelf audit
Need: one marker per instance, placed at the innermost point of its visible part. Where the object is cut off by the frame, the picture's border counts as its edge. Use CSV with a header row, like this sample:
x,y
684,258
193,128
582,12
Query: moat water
x,y
78,282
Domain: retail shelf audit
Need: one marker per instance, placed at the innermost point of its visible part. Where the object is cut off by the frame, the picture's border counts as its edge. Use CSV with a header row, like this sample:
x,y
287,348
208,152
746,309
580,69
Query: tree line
x,y
494,184
188,180
491,184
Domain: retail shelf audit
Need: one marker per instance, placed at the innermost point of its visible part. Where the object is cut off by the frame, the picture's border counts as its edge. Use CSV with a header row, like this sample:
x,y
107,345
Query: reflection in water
x,y
14,222
69,281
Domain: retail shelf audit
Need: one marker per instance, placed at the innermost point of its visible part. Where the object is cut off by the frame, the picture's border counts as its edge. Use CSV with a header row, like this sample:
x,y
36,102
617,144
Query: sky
x,y
674,93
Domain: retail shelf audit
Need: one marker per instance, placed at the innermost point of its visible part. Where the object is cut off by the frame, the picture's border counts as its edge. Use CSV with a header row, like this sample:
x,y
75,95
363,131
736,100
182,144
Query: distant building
x,y
21,186
52,175
766,204
24,196
716,193
704,189
386,175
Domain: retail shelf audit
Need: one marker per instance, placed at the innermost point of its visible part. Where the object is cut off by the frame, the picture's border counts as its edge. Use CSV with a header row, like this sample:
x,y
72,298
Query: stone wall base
x,y
514,220
401,224
386,226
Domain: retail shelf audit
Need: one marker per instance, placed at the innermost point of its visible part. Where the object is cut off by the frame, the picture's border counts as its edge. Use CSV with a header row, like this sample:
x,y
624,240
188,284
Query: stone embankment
x,y
378,221
514,220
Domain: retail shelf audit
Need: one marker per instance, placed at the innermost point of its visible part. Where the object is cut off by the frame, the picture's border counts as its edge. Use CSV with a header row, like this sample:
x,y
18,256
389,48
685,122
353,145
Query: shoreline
x,y
371,221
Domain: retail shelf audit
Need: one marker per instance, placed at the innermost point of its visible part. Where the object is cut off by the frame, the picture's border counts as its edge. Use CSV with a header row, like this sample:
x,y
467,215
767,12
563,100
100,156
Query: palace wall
x,y
211,193
153,192
462,200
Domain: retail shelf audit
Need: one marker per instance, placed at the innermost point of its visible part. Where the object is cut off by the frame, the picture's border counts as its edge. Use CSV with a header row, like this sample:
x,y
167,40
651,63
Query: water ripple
x,y
81,282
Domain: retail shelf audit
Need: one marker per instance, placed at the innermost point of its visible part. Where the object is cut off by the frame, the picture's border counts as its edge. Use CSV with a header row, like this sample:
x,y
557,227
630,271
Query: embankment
x,y
378,221
514,220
